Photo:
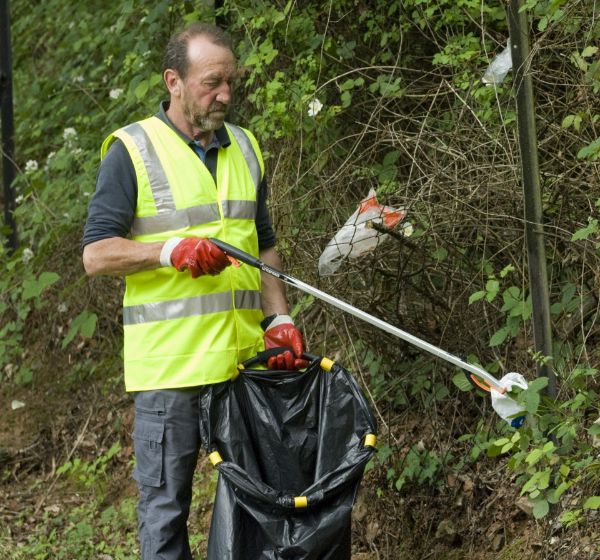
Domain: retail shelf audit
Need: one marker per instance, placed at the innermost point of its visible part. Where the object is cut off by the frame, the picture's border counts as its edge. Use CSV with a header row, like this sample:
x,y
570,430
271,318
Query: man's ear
x,y
172,81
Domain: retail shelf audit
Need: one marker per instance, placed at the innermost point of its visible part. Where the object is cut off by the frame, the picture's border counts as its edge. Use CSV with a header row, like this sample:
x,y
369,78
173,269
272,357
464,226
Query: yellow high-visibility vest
x,y
180,331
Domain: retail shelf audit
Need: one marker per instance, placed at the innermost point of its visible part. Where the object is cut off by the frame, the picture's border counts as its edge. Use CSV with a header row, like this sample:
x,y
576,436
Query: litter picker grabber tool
x,y
488,380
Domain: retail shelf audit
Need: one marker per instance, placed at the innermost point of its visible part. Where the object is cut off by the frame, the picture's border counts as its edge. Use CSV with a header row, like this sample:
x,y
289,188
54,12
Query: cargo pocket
x,y
147,442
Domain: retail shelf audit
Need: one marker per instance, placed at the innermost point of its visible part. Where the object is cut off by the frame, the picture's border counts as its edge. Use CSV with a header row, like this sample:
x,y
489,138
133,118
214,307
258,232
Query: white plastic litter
x,y
15,405
506,407
357,236
498,68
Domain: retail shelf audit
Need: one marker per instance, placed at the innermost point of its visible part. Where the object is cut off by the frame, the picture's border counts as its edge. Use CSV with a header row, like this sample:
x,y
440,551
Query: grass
x,y
81,523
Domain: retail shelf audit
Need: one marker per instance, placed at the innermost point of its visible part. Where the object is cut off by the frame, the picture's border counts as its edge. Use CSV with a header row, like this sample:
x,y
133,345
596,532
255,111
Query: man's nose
x,y
224,93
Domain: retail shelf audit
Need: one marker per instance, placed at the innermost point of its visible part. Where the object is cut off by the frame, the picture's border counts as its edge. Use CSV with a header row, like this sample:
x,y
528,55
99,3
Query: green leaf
x,y
534,457
589,51
461,381
511,298
476,296
591,151
541,509
570,518
572,120
492,287
555,496
348,84
24,376
544,480
518,309
155,79
346,99
592,503
579,62
114,449
141,89
508,268
568,121
391,158
531,401
548,447
584,233
84,324
34,288
507,447
594,429
383,453
493,451
538,384
475,452
400,483
531,484
528,6
440,254
499,336
528,398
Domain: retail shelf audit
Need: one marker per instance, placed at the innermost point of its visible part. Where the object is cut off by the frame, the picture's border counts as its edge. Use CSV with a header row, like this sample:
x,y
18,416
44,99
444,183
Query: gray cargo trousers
x,y
167,433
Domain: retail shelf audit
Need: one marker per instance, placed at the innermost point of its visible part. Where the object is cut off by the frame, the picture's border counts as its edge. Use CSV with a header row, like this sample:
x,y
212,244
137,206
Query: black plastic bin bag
x,y
291,448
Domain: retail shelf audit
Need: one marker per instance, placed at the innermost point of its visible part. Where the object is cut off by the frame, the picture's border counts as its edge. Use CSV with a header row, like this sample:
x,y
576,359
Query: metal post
x,y
6,116
534,229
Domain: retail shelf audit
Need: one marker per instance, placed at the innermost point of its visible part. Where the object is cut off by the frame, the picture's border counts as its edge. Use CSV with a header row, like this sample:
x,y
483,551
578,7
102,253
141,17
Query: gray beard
x,y
207,122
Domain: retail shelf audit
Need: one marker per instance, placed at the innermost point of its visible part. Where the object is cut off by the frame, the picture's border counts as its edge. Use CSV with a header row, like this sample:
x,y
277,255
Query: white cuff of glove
x,y
167,249
280,320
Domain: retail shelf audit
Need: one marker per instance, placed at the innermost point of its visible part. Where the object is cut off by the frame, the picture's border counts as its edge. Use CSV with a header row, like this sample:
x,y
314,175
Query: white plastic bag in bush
x,y
505,406
498,68
357,236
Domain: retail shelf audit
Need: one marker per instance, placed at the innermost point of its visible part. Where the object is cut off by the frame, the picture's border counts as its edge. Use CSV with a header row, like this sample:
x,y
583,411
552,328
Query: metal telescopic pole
x,y
6,116
307,288
534,229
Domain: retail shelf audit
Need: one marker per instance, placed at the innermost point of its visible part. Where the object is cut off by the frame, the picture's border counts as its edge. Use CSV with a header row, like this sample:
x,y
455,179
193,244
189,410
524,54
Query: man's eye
x,y
213,84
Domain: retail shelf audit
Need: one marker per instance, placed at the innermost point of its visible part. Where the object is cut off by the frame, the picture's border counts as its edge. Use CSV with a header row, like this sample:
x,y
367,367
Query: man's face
x,y
207,88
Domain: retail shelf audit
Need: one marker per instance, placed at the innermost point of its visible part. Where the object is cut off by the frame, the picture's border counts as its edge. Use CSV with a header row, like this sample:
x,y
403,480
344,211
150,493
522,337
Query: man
x,y
165,185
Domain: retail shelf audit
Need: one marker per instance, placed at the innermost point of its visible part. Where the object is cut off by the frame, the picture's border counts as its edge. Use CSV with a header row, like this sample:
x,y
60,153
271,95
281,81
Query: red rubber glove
x,y
282,332
197,254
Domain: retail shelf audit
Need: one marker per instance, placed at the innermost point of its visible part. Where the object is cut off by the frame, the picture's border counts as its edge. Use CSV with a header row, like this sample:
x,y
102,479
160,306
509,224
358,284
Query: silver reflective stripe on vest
x,y
188,307
239,209
248,151
178,219
161,191
247,299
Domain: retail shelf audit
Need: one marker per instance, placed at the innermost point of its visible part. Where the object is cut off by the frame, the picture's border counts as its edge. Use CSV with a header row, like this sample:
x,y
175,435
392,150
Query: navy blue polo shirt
x,y
112,208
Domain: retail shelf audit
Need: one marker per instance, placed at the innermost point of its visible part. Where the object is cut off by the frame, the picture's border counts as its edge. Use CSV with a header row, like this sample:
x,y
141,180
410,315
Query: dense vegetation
x,y
404,111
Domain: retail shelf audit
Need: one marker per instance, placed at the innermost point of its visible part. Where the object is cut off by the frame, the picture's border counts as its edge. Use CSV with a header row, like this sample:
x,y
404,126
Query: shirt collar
x,y
221,138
